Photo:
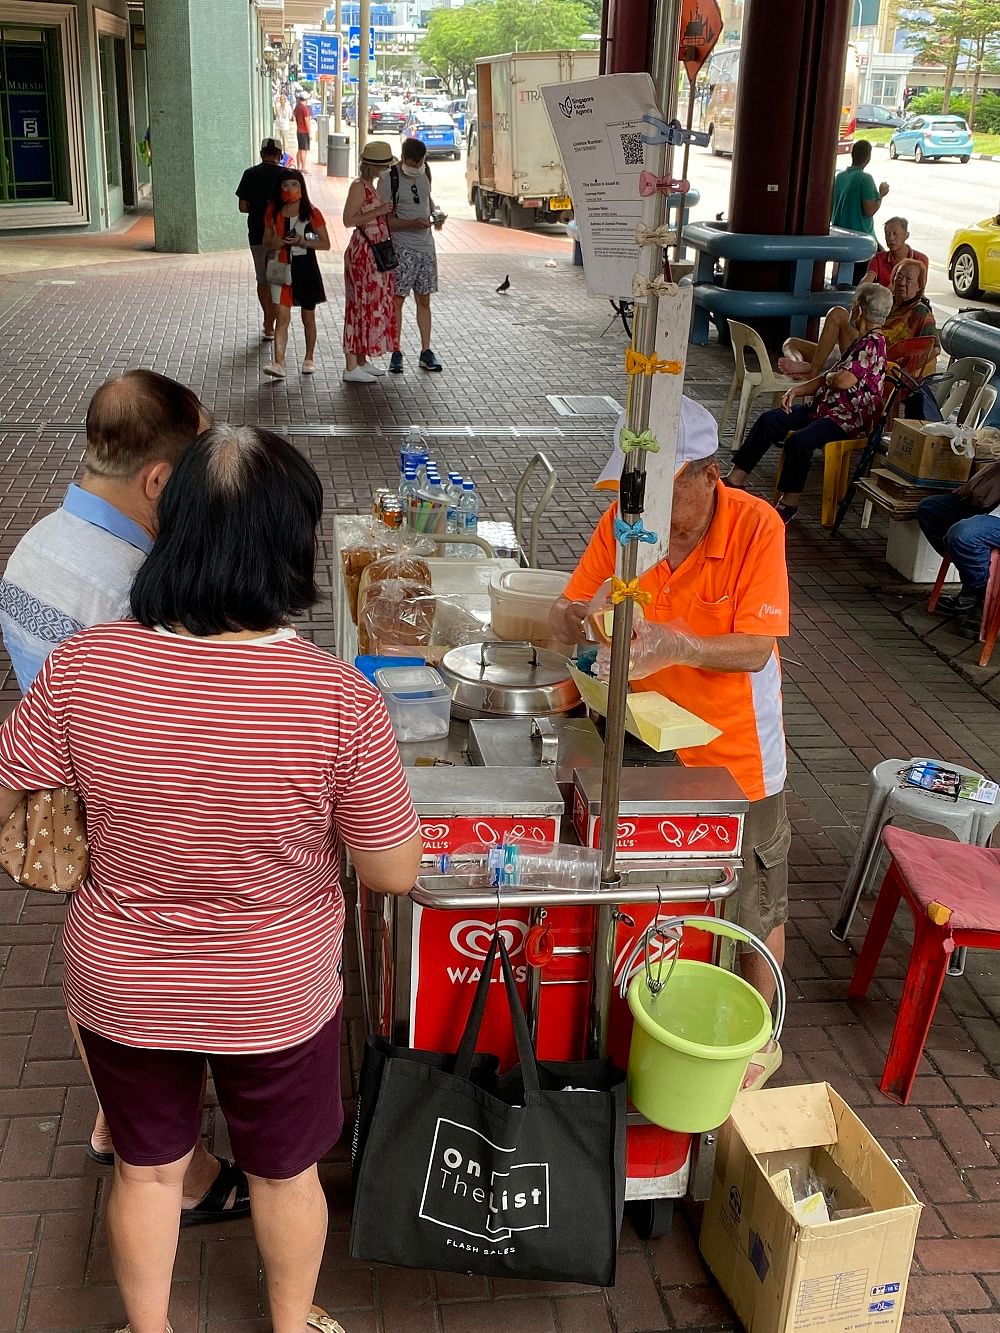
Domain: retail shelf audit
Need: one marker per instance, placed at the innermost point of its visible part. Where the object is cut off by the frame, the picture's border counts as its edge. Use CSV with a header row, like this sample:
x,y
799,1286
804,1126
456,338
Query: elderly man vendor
x,y
707,640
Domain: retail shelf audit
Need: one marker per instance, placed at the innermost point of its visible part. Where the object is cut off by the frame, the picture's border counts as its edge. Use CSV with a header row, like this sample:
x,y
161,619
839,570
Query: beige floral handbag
x,y
43,844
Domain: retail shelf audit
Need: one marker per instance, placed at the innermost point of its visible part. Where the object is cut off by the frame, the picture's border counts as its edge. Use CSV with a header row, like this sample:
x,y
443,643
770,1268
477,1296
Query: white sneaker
x,y
358,376
273,369
372,368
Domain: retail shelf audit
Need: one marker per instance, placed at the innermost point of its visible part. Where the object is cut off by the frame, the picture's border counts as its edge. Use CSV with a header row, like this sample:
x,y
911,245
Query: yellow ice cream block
x,y
656,720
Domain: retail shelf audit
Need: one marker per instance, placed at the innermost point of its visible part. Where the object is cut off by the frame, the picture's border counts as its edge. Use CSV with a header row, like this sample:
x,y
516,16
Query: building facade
x,y
103,102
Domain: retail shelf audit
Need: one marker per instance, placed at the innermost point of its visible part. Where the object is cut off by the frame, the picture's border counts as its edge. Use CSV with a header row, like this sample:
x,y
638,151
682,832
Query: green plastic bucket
x,y
692,1043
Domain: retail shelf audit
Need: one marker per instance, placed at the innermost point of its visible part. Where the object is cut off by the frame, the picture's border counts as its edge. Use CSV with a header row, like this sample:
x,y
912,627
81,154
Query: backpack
x,y
394,182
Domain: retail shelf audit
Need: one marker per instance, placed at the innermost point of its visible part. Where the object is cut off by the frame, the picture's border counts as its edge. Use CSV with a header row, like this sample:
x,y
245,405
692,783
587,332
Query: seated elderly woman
x,y
911,319
845,403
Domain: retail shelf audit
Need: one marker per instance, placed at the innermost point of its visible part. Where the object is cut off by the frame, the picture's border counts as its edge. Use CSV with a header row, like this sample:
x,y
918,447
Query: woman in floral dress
x,y
845,404
370,295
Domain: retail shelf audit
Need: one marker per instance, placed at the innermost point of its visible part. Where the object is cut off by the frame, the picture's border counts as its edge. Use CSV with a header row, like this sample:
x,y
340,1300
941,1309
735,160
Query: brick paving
x,y
861,685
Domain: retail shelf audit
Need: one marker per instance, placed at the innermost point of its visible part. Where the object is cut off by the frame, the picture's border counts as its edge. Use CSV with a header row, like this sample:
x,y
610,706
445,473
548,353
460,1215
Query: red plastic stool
x,y
953,891
989,626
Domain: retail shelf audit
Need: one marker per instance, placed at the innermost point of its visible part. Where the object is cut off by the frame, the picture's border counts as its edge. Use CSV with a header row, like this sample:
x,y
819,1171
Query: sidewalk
x,y
860,686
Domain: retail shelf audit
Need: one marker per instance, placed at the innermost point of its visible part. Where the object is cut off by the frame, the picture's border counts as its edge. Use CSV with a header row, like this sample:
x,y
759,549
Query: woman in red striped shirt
x,y
223,762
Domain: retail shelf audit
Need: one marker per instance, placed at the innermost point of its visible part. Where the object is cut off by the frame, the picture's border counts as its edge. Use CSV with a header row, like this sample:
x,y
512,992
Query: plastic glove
x,y
653,648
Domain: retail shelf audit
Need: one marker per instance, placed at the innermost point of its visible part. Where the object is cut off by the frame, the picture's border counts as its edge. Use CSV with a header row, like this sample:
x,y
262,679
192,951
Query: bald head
x,y
138,419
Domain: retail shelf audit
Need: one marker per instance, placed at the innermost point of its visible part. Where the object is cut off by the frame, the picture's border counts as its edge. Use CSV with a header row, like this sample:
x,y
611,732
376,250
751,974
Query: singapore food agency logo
x,y
474,1187
576,106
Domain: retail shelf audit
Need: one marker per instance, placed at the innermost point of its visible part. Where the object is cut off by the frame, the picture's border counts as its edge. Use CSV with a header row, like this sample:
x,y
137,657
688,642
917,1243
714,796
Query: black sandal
x,y
212,1208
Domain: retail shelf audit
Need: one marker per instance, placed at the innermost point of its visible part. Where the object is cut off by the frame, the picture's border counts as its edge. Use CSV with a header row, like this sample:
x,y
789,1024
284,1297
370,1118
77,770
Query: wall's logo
x,y
474,1186
472,938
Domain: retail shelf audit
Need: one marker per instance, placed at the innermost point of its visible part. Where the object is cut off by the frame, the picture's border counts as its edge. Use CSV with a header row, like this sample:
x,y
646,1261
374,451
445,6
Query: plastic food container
x,y
520,603
418,700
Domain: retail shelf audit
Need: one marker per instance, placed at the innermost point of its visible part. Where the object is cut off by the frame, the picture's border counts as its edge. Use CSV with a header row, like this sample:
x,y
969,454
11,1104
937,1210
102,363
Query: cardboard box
x,y
916,452
847,1275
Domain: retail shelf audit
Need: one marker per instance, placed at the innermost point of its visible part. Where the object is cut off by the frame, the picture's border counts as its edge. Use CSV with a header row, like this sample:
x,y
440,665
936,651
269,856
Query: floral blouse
x,y
857,408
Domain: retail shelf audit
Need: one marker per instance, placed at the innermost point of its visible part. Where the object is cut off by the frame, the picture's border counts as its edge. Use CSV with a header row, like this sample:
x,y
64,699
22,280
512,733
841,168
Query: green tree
x,y
455,38
953,31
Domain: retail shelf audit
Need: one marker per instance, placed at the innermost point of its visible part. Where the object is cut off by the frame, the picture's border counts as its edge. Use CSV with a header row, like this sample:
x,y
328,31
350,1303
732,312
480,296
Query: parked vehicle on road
x,y
437,131
872,117
927,137
458,109
386,118
514,169
723,78
974,263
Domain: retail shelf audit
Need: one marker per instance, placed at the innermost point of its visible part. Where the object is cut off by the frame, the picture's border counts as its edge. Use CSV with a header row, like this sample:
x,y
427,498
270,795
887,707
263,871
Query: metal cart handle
x,y
539,460
729,930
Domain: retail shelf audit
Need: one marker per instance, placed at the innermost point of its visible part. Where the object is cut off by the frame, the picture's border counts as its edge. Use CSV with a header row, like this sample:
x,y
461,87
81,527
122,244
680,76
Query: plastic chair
x,y
969,821
953,892
989,626
961,386
750,384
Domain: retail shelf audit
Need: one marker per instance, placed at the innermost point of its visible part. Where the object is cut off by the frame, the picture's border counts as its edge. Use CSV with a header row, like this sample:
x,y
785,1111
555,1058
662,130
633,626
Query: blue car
x,y
437,130
925,137
458,110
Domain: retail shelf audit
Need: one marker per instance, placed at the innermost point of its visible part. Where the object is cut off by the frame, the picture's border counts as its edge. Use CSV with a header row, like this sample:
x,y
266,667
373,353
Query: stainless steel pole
x,y
664,74
365,23
338,85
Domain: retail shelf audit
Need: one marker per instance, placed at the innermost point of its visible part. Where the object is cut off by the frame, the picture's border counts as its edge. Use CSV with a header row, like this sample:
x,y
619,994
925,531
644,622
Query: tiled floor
x,y
860,686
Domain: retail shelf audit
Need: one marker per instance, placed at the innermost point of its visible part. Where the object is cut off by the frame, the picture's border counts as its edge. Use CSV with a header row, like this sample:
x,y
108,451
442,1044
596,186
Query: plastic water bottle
x,y
468,508
525,865
414,445
408,484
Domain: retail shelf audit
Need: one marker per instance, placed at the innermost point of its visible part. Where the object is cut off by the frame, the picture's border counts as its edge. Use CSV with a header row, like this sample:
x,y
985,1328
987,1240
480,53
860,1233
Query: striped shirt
x,y
219,778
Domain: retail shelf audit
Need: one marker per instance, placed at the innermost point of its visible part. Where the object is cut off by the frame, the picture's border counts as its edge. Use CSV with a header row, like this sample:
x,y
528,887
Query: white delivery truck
x,y
513,169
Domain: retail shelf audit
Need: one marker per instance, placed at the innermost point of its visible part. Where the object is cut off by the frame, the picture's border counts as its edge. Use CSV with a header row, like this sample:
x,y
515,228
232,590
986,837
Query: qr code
x,y
632,148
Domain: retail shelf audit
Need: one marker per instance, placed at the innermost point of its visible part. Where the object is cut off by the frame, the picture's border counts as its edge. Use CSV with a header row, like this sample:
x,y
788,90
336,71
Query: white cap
x,y
697,438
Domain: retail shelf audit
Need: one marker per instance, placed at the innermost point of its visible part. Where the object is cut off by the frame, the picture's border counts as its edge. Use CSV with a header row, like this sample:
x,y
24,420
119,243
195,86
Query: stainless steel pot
x,y
507,680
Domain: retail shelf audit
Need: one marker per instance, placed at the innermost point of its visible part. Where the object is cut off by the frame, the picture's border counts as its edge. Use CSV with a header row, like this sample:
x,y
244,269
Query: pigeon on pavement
x,y
505,285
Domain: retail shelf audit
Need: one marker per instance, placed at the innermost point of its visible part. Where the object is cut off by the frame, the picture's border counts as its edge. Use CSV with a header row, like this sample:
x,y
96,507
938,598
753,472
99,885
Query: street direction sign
x,y
320,54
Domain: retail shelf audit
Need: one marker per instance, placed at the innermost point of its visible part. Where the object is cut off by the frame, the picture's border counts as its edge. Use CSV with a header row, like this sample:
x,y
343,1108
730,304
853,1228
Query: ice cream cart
x,y
679,839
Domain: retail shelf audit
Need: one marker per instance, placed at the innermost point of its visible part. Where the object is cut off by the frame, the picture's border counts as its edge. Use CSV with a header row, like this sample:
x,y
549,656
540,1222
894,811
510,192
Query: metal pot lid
x,y
506,665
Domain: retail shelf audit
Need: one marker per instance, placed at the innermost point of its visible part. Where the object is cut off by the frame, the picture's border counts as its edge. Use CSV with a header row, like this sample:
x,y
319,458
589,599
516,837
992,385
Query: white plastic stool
x,y
970,822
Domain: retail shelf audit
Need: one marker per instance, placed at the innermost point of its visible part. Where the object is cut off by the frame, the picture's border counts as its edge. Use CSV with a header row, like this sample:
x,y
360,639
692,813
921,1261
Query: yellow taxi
x,y
974,266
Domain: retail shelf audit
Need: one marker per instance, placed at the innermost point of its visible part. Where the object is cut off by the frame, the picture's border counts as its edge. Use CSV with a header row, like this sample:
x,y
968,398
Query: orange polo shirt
x,y
734,582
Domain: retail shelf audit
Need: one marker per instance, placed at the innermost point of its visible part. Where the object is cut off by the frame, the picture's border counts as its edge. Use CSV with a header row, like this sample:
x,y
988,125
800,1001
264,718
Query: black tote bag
x,y
519,1176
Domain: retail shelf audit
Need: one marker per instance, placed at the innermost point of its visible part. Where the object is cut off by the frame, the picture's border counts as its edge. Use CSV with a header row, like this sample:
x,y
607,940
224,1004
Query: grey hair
x,y
231,451
902,222
700,465
874,302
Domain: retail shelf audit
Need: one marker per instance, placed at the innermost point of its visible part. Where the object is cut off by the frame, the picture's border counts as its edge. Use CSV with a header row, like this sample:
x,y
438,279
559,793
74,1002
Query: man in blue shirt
x,y
75,568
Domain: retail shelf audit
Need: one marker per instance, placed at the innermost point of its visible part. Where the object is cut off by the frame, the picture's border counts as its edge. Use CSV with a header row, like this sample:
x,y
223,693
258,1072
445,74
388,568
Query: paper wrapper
x,y
659,722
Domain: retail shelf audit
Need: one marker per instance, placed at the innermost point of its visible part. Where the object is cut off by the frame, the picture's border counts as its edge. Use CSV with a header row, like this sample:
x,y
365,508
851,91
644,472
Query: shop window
x,y
885,90
32,157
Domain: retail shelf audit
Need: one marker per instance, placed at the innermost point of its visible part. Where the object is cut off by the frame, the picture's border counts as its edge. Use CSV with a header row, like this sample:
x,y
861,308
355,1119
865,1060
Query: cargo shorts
x,y
763,889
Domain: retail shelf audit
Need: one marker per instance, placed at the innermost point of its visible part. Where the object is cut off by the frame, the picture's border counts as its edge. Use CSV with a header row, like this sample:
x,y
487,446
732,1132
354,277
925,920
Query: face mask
x,y
411,172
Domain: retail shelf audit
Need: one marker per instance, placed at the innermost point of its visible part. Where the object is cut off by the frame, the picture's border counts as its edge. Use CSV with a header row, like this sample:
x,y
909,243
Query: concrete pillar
x,y
791,81
627,36
201,120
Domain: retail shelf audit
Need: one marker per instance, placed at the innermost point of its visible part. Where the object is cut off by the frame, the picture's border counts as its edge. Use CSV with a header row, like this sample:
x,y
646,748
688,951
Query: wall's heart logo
x,y
434,832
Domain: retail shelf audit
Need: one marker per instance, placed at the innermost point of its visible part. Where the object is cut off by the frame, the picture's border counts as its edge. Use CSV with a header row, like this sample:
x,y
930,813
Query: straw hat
x,y
377,154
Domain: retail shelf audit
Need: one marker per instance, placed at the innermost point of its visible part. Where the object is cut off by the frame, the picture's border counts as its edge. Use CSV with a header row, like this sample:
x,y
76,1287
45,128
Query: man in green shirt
x,y
856,197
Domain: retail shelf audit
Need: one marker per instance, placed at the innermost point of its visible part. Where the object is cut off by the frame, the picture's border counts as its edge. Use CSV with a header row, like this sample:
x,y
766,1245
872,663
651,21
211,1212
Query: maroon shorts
x,y
283,1108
